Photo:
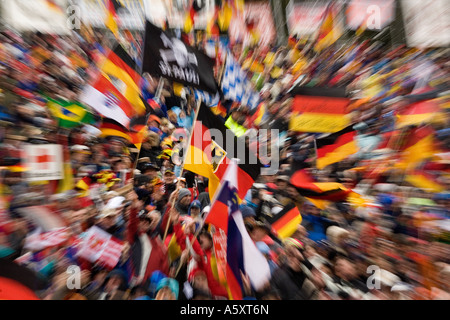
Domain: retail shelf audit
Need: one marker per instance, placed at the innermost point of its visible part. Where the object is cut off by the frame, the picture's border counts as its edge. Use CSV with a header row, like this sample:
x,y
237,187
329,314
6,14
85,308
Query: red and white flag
x,y
98,246
39,240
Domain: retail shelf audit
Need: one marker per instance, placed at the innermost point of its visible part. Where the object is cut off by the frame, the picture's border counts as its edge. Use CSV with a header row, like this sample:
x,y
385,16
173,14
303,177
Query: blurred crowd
x,y
393,244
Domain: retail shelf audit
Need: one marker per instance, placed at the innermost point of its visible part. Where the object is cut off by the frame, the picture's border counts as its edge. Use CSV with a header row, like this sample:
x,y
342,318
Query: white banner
x,y
44,162
427,23
36,15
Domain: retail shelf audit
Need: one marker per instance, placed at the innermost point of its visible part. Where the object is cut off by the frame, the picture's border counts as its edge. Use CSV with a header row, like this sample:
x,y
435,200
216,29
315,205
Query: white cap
x,y
79,147
115,202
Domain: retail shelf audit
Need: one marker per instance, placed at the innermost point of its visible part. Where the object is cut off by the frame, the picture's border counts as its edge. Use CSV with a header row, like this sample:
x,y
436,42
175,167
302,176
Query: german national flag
x,y
285,223
211,149
424,180
418,146
17,282
336,147
307,187
112,18
111,128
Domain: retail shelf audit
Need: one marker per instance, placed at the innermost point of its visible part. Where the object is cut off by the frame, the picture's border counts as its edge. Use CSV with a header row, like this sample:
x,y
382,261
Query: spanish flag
x,y
112,17
336,147
285,223
211,149
122,71
307,187
425,181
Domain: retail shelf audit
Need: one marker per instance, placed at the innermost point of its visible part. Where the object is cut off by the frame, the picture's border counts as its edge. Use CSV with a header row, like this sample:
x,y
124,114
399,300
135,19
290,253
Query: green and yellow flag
x,y
69,113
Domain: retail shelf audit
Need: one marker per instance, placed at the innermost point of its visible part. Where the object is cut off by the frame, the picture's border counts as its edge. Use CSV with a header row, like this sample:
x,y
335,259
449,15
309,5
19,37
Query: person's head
x,y
205,240
199,280
282,182
344,268
167,289
301,233
115,281
195,208
150,170
108,218
184,197
293,253
169,177
260,231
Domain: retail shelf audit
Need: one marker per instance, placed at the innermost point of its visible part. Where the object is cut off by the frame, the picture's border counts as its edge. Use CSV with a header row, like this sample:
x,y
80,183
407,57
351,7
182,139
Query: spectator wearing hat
x,y
150,170
167,289
169,182
147,252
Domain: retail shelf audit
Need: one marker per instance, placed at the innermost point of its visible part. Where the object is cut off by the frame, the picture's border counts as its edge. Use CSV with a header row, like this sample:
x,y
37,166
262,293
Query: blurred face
x,y
185,201
113,284
258,234
344,269
144,226
165,294
195,211
168,179
205,242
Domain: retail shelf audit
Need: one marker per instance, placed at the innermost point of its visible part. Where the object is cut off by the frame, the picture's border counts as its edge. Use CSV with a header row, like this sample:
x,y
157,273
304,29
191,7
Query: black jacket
x,y
293,285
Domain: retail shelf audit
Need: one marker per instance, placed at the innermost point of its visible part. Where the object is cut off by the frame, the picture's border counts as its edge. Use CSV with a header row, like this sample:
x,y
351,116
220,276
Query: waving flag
x,y
329,31
307,187
69,113
285,222
39,240
112,18
100,247
211,149
336,147
236,86
238,251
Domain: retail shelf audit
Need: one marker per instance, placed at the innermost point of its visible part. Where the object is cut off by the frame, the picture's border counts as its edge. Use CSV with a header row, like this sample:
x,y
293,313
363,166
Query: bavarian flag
x,y
285,222
69,114
211,149
307,187
336,147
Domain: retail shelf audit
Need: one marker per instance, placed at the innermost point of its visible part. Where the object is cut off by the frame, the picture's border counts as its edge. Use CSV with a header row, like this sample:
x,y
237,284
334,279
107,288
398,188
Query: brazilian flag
x,y
69,113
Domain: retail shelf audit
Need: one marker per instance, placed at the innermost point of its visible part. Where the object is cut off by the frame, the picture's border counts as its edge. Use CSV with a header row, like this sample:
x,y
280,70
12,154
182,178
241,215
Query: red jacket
x,y
204,262
158,259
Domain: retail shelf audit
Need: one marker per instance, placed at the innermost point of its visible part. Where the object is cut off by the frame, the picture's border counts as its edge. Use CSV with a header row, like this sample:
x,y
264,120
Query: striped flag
x,y
425,180
100,247
241,253
236,86
112,18
285,223
418,146
336,147
209,153
329,31
307,187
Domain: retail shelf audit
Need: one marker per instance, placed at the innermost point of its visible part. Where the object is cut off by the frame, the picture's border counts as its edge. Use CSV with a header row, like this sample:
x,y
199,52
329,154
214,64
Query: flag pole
x,y
199,102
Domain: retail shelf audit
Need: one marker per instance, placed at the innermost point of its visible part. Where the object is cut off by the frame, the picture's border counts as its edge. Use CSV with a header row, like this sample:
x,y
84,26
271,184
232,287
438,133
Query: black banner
x,y
171,58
